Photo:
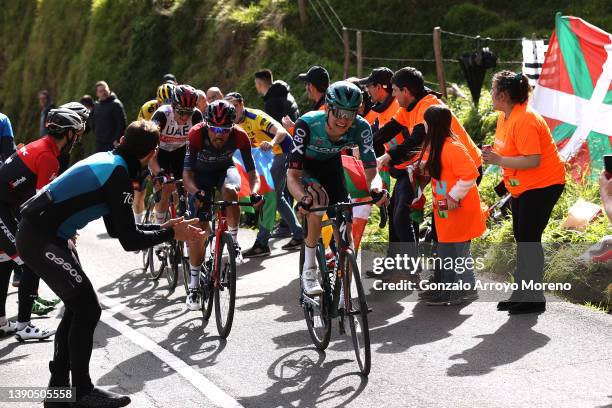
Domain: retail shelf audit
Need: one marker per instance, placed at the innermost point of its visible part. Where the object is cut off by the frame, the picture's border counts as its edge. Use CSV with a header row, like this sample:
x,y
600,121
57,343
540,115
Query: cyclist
x,y
267,134
98,186
7,140
163,97
29,169
316,176
174,121
209,166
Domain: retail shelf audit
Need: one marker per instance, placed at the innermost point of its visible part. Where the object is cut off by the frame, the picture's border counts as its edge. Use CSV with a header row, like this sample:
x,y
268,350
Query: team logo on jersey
x,y
17,182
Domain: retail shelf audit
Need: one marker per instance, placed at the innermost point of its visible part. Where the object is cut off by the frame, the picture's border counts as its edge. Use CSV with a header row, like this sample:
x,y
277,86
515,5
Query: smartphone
x,y
608,163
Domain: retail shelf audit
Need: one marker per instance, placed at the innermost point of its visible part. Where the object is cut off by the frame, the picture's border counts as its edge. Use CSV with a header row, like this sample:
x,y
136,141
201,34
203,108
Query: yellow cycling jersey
x,y
258,124
148,109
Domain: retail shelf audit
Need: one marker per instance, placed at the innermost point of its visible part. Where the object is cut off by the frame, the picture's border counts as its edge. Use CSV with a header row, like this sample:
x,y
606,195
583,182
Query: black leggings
x,y
58,265
530,214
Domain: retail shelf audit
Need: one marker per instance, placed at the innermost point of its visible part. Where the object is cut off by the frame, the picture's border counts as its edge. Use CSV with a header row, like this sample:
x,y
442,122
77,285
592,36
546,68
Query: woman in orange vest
x,y
535,176
456,205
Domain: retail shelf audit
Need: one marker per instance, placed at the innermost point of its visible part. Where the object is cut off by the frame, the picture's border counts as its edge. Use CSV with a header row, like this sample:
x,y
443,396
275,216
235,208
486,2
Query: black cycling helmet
x,y
61,118
220,113
79,108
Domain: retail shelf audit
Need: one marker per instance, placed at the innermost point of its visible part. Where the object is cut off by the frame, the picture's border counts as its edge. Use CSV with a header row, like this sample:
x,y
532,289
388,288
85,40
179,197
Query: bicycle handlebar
x,y
346,206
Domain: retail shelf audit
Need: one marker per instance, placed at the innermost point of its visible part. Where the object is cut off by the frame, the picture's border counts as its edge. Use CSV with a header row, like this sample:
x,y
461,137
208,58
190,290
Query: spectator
x,y
109,118
89,103
533,173
605,191
202,101
317,82
456,203
7,139
213,94
278,101
46,104
385,105
169,79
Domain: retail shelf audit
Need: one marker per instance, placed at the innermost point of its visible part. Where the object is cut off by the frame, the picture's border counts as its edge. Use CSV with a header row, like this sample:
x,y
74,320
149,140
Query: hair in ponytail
x,y
516,85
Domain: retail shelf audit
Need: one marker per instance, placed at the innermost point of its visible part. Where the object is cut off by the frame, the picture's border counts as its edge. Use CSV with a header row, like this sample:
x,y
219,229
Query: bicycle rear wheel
x,y
356,311
175,256
225,290
185,267
317,317
149,218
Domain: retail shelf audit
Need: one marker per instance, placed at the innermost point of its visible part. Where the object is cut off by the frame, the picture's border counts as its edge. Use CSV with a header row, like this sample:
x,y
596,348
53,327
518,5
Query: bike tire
x,y
206,280
320,336
225,290
148,219
356,311
185,267
175,255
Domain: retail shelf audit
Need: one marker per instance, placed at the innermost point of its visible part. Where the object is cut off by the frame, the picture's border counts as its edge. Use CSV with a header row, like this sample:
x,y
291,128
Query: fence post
x,y
359,55
437,44
347,51
302,9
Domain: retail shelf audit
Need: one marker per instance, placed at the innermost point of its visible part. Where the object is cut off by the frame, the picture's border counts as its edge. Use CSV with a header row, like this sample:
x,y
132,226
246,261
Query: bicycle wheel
x,y
356,311
175,256
225,290
317,318
149,218
207,280
185,267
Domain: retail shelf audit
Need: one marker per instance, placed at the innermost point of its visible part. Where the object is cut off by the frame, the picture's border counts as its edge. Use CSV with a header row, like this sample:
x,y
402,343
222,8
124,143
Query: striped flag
x,y
534,52
574,93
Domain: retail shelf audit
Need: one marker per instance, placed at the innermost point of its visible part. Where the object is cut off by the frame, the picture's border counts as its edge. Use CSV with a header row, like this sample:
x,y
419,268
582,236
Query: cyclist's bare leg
x,y
314,229
138,205
162,206
230,193
196,254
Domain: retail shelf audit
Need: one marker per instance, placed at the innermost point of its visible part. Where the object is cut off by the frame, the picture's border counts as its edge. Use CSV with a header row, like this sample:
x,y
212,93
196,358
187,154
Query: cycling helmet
x,y
79,108
184,96
62,118
220,113
164,93
343,95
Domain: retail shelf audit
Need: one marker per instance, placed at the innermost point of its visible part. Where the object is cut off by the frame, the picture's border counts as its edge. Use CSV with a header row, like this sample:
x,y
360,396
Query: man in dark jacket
x,y
278,101
46,104
109,118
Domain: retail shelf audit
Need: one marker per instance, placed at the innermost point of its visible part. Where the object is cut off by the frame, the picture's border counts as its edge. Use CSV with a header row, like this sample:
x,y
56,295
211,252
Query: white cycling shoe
x,y
194,300
31,332
8,328
310,282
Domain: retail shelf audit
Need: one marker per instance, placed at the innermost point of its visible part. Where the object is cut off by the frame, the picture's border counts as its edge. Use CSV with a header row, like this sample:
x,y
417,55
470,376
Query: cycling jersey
x,y
7,141
258,124
98,186
148,109
311,141
172,135
28,170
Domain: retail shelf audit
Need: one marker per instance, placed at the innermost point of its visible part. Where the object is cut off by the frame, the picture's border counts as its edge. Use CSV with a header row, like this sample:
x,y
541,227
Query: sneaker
x,y
193,301
100,398
46,302
40,310
527,307
8,328
428,294
31,332
310,282
238,251
257,250
445,298
293,244
280,232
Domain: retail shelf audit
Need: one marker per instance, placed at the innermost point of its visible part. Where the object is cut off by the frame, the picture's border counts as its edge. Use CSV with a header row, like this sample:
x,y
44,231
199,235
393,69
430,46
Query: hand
x,y
381,195
287,122
383,161
115,143
265,146
171,223
452,203
185,231
356,153
256,200
304,205
490,157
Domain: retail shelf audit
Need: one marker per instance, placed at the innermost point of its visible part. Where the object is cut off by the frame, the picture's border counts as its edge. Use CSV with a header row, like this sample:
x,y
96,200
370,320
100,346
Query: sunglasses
x,y
347,114
220,130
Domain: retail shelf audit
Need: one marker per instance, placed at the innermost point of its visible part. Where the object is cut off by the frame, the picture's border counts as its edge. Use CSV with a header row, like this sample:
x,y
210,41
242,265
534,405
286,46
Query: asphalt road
x,y
147,345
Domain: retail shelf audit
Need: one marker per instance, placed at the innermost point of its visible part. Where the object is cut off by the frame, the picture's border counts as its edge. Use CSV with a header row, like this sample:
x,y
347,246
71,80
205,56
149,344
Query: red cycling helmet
x,y
184,96
220,113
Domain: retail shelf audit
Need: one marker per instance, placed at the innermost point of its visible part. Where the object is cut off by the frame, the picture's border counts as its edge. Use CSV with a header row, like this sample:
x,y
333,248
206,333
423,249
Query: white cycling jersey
x,y
172,135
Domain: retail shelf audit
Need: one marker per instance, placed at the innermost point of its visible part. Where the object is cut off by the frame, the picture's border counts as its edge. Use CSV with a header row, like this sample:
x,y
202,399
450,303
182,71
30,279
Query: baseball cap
x,y
378,76
316,75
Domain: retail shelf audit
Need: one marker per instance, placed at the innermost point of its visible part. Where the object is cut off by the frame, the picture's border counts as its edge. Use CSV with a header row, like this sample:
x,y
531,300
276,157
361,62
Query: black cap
x,y
317,76
379,76
169,78
233,96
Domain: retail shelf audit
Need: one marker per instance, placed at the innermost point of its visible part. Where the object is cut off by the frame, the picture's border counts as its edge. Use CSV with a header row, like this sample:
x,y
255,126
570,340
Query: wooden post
x,y
437,44
302,9
347,51
359,55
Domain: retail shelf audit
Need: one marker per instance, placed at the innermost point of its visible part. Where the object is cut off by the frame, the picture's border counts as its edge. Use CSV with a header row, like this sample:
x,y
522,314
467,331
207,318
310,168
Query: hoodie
x,y
279,102
109,120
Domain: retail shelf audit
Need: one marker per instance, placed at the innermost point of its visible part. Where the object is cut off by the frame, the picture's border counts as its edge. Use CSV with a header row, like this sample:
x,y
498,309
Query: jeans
x,y
279,176
459,252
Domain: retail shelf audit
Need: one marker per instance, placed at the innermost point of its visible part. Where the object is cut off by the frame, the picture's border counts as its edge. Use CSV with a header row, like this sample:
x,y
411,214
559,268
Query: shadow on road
x,y
301,379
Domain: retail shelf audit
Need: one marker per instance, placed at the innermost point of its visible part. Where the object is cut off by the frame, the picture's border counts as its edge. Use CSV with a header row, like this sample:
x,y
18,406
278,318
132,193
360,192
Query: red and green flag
x,y
574,93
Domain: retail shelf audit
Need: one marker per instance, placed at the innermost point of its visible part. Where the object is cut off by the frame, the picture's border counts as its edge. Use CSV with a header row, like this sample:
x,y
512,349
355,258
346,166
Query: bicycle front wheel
x,y
356,311
149,218
175,258
316,308
225,289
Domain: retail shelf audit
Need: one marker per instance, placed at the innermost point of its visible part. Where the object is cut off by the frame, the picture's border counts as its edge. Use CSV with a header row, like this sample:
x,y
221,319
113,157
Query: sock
x,y
310,255
22,325
160,218
234,233
138,217
194,281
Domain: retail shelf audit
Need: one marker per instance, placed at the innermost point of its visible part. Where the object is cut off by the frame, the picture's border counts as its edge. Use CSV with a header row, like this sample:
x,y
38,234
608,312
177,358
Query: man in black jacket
x,y
278,101
109,118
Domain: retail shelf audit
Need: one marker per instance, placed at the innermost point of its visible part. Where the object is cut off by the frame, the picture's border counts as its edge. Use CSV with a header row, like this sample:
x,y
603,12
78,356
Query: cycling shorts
x,y
172,162
330,175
